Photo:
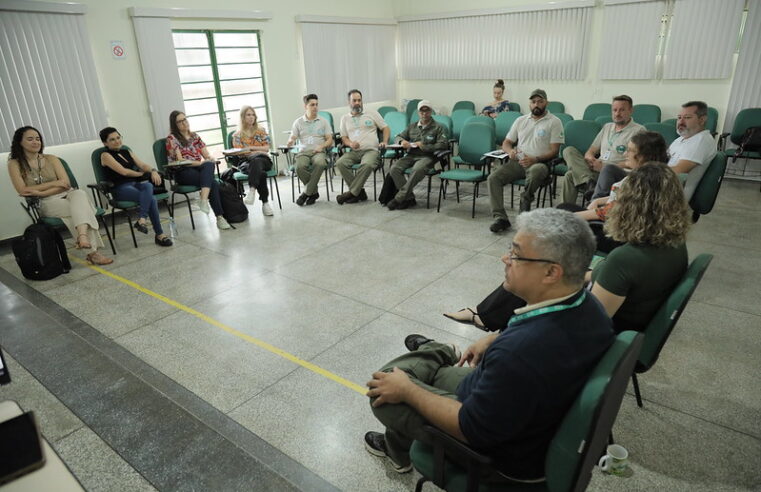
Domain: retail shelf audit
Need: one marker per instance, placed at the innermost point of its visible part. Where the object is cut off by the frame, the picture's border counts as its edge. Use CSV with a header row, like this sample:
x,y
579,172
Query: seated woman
x,y
499,104
255,162
184,145
652,217
42,175
128,173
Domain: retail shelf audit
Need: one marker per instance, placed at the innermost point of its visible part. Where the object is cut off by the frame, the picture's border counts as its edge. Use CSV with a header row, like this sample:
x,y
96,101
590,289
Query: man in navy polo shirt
x,y
520,383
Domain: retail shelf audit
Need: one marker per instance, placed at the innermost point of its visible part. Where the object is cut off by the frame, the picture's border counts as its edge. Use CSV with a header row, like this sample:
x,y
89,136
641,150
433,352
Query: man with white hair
x,y
519,384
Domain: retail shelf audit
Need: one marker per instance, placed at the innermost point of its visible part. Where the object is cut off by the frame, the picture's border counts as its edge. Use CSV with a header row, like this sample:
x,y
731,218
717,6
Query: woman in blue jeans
x,y
133,181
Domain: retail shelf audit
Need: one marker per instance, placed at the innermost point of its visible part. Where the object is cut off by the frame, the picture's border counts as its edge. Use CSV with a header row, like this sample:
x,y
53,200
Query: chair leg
x,y
512,195
428,197
441,192
113,222
457,190
108,235
328,182
131,229
293,188
419,485
637,394
277,192
190,212
475,194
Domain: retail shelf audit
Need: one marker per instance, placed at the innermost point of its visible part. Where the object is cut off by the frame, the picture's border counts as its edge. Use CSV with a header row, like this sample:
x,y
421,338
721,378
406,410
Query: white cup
x,y
615,460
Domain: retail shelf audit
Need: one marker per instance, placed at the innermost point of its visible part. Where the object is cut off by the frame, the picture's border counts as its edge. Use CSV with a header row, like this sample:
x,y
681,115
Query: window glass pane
x,y
232,117
234,39
237,55
248,70
216,150
201,106
193,91
189,40
211,137
201,123
235,102
193,57
231,87
195,74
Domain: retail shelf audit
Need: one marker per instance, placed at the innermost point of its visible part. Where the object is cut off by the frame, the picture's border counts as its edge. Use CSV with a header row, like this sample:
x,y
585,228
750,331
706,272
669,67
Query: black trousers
x,y
497,308
604,243
256,166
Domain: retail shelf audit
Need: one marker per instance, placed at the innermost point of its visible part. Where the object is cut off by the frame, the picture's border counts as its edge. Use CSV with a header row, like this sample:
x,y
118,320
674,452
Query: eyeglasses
x,y
513,257
184,120
424,110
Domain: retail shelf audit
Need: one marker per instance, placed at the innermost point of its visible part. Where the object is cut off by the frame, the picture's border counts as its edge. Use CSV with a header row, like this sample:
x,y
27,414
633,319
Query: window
x,y
220,71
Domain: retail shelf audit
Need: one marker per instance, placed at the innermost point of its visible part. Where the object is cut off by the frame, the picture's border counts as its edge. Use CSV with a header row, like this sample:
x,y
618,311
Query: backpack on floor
x,y
233,208
40,253
388,191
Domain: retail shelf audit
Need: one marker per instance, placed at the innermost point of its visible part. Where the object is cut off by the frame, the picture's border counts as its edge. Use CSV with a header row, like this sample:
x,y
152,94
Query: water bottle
x,y
172,228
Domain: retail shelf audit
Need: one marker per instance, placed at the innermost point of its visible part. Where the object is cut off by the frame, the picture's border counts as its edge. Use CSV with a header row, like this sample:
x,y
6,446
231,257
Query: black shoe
x,y
375,443
164,241
362,197
141,227
340,199
352,198
414,341
301,199
589,191
525,205
393,204
312,199
410,202
500,225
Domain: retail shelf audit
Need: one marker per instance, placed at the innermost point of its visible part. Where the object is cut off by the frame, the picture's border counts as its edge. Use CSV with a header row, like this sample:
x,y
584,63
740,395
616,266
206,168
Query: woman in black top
x,y
133,181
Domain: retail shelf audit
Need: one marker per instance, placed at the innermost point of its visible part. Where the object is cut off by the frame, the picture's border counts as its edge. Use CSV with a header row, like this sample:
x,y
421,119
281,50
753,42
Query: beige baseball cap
x,y
424,103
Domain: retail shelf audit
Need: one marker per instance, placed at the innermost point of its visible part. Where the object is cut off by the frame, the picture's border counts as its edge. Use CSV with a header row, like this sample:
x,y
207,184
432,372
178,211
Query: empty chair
x,y
464,105
703,199
446,121
668,132
646,113
458,121
603,119
596,109
745,120
564,117
514,107
386,109
555,107
397,122
482,119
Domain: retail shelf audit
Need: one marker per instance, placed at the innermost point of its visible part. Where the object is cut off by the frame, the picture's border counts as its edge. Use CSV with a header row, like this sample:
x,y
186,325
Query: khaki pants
x,y
509,172
309,168
420,166
369,160
73,208
578,175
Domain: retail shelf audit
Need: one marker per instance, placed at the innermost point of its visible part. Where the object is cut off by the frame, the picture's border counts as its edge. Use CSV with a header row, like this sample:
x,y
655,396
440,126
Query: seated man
x,y
521,382
607,150
359,132
314,135
695,148
533,139
420,140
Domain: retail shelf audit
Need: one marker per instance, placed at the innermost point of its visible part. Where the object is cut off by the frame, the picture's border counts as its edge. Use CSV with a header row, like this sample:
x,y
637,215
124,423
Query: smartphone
x,y
20,447
5,376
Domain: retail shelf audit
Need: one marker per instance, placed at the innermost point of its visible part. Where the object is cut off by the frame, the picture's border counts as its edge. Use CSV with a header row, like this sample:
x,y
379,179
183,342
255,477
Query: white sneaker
x,y
222,223
203,205
250,197
267,210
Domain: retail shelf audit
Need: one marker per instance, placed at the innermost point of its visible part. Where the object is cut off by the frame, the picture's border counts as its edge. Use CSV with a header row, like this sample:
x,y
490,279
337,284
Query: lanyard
x,y
547,309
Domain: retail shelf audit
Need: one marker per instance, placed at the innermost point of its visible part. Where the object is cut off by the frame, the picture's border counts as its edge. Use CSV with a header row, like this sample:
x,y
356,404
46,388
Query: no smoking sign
x,y
117,50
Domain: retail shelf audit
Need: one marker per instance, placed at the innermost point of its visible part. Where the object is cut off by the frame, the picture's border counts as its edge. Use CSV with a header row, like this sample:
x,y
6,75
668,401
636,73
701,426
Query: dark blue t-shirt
x,y
517,396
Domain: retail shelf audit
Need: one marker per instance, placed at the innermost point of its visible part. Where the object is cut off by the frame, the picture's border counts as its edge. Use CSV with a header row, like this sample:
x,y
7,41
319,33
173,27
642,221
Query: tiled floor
x,y
340,287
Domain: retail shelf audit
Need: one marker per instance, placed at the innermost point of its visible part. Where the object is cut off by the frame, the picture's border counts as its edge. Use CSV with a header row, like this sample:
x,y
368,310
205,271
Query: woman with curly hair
x,y
652,218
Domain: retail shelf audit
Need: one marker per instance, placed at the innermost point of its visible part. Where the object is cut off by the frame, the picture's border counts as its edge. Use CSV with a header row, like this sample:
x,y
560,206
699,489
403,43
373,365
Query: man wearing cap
x,y
420,140
607,149
359,132
533,140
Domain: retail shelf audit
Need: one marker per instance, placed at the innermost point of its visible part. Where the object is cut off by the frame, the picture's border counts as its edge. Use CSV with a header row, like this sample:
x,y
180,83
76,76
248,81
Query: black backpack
x,y
40,253
750,142
388,191
233,208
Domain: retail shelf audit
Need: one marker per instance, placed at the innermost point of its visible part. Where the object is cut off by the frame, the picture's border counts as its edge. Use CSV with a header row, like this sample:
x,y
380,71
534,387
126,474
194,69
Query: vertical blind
x,y
47,78
630,37
340,57
703,39
538,45
746,86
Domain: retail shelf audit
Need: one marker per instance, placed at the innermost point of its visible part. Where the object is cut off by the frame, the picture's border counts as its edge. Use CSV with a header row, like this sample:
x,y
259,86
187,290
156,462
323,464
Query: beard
x,y
537,111
357,108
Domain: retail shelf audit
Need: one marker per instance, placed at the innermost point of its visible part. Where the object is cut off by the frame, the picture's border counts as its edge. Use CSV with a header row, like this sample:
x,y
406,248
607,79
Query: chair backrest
x,y
464,105
668,132
411,108
713,120
385,109
416,116
397,122
458,120
555,107
514,107
708,188
476,139
596,109
671,122
745,119
487,120
328,116
603,119
503,122
583,433
72,179
159,154
97,168
580,134
446,121
660,326
564,118
646,113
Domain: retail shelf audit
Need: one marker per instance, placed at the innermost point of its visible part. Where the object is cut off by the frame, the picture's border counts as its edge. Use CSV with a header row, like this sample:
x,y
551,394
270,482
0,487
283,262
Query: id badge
x,y
605,156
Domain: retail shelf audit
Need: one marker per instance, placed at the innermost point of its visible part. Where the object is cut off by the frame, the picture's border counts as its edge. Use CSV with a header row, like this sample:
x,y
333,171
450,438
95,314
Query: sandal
x,y
83,244
96,258
140,226
471,321
163,241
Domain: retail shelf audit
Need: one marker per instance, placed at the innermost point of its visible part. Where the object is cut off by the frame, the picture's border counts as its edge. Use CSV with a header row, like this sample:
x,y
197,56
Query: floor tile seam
x,y
724,244
262,390
756,315
324,248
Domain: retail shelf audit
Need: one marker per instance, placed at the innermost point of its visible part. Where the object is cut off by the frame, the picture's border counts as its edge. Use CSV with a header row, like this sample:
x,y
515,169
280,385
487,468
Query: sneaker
x,y
250,197
301,199
222,223
267,210
340,199
203,206
500,225
414,341
312,199
362,197
375,443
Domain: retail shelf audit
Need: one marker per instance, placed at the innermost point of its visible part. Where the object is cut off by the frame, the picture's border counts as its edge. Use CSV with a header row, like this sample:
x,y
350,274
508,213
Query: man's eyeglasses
x,y
513,257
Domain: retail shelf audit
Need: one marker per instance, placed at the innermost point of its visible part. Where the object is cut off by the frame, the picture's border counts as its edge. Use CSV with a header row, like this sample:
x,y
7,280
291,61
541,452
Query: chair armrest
x,y
440,154
274,153
476,464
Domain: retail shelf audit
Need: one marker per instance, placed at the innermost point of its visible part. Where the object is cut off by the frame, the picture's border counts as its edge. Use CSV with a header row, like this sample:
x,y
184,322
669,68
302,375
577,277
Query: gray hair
x,y
701,108
562,237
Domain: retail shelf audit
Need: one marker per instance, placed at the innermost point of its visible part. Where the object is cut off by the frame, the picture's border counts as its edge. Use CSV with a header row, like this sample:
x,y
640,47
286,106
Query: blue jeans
x,y
141,192
202,176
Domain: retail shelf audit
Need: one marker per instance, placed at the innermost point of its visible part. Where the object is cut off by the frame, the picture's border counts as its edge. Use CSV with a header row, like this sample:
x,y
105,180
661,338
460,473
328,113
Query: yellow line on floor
x,y
208,319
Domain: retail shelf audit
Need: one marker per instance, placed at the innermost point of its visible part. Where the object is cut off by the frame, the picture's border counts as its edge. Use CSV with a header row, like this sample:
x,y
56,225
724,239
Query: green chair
x,y
397,123
746,119
386,109
487,120
713,120
564,117
416,116
603,119
668,132
105,187
514,106
646,113
241,177
658,330
332,155
708,188
458,121
159,155
32,207
578,134
574,450
503,122
596,109
445,121
411,108
464,105
476,139
671,122
555,107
